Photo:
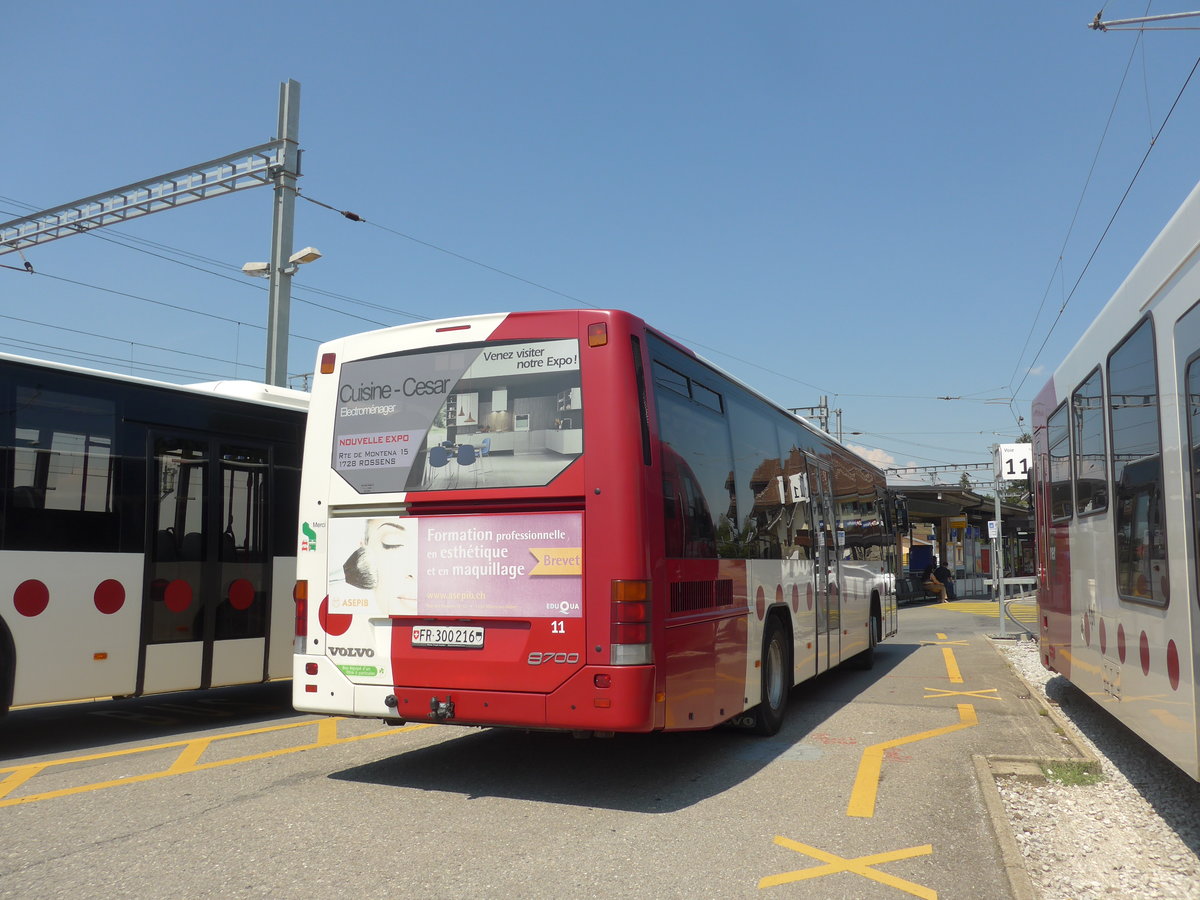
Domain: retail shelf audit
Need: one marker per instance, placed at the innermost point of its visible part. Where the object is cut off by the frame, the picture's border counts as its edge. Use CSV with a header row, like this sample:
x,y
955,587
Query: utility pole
x,y
998,548
820,411
282,225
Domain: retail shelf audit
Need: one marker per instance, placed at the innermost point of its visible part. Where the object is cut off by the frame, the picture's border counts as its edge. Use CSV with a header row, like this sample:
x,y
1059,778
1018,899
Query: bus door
x,y
825,568
208,569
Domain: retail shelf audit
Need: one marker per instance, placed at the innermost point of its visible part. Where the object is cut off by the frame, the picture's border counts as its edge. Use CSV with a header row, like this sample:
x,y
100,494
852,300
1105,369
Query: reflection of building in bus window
x,y
386,563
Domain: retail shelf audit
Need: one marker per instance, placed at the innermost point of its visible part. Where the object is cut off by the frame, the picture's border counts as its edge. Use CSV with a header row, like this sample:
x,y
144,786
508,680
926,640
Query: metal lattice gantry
x,y
276,162
248,168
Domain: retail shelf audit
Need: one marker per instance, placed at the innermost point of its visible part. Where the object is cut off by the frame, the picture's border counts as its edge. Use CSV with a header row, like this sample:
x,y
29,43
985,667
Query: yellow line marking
x,y
19,776
940,636
982,694
187,761
866,783
951,665
1023,611
189,757
941,643
134,750
860,865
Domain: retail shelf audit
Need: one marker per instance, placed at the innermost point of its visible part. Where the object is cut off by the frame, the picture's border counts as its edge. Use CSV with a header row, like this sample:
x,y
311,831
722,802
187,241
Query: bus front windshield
x,y
466,417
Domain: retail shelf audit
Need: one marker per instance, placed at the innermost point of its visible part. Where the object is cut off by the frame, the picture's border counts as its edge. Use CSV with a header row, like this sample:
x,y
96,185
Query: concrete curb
x,y
989,768
1019,881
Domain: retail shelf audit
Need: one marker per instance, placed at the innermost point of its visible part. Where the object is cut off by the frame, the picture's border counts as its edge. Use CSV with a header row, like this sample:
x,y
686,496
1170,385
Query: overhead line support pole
x,y
282,226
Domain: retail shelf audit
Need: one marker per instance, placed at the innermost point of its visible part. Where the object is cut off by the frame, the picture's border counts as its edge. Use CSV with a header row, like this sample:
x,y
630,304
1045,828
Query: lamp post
x,y
277,314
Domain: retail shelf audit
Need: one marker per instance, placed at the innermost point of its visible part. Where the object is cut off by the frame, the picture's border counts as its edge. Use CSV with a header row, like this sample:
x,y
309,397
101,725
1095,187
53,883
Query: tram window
x,y
1193,406
63,472
1138,495
1091,462
1060,464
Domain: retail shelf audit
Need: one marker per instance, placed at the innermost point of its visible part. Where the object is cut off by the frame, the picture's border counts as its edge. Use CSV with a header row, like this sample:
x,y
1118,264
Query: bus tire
x,y
866,659
8,667
776,683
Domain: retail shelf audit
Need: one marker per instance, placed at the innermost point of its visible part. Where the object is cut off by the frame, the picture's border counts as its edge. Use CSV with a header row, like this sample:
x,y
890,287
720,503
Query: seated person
x,y
930,583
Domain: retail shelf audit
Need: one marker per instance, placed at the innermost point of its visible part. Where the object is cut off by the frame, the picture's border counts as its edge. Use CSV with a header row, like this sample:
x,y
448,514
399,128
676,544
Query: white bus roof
x,y
267,394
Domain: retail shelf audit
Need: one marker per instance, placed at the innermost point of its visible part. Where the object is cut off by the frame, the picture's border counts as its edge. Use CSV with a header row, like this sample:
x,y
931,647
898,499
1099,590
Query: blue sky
x,y
865,202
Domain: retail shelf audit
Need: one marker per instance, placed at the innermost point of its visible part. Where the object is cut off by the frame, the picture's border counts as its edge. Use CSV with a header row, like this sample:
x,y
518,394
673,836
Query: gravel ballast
x,y
1135,834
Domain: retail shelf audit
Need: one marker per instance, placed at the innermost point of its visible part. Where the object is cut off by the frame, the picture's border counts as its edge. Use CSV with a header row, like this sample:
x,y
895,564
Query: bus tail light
x,y
300,596
631,623
598,334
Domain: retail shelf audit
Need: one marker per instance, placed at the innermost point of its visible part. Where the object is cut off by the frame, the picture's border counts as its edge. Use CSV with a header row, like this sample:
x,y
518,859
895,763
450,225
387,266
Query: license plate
x,y
447,636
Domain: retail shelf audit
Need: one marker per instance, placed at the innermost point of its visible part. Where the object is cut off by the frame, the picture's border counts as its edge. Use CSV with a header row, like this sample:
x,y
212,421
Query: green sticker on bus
x,y
360,671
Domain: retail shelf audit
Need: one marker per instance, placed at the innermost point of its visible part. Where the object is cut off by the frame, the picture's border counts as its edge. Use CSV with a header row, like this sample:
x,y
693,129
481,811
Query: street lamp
x,y
280,291
297,259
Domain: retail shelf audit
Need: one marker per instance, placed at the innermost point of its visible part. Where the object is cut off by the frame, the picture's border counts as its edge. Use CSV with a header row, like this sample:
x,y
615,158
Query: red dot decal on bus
x,y
178,595
241,594
1087,629
808,595
31,598
1144,648
1173,665
760,602
333,623
1121,642
779,593
109,596
795,599
1103,637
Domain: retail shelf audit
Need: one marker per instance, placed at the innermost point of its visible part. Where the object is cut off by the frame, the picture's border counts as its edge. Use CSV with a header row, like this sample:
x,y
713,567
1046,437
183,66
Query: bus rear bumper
x,y
595,698
627,704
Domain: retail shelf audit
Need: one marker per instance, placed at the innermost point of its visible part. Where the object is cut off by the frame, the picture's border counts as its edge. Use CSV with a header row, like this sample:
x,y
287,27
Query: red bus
x,y
1117,487
146,539
566,520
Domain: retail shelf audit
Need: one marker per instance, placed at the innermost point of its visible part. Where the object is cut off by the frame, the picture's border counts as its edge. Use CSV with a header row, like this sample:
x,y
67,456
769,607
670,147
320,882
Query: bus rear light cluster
x,y
630,619
300,596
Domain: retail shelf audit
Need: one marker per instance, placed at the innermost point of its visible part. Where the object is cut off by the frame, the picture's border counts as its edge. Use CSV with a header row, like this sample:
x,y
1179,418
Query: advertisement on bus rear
x,y
518,566
490,415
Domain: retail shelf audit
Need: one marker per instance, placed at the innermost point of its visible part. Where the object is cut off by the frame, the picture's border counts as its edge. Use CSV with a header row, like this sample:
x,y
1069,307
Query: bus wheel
x,y
6,666
768,715
866,659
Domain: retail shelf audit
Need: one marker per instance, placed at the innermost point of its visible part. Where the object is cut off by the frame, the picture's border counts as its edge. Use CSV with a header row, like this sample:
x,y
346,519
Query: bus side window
x,y
63,470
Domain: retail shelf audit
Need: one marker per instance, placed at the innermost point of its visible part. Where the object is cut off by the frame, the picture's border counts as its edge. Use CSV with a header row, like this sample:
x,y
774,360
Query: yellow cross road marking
x,y
188,759
861,865
941,643
952,671
866,783
981,694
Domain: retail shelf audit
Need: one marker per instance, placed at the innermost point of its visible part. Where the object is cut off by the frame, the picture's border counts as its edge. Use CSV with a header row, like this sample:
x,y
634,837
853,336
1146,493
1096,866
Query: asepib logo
x,y
557,560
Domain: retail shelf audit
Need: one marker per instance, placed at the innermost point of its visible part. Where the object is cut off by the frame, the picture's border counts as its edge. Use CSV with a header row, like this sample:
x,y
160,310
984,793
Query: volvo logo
x,y
351,651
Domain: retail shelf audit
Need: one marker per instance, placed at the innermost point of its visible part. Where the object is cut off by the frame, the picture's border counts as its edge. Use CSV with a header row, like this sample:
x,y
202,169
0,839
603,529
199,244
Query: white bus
x,y
1117,487
147,533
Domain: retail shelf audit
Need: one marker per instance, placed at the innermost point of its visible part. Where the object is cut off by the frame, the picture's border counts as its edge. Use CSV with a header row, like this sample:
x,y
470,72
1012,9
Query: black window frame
x,y
1057,501
1078,450
1151,462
